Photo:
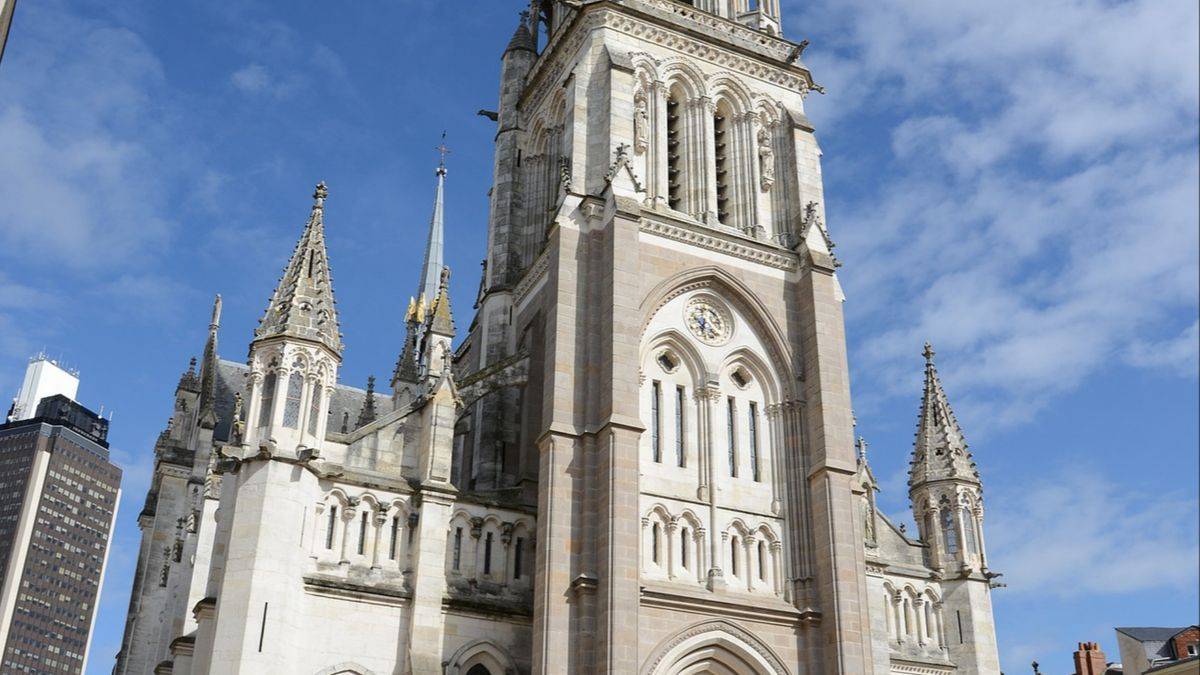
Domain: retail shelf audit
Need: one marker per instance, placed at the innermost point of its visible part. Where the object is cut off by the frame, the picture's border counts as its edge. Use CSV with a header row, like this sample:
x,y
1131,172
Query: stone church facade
x,y
639,458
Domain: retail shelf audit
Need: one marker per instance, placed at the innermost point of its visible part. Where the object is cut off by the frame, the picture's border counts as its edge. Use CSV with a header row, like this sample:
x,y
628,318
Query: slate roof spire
x,y
940,450
303,305
421,306
208,370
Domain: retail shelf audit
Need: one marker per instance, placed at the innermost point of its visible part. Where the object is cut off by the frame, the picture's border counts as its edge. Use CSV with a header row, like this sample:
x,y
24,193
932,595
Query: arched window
x,y
329,528
753,430
676,175
395,538
968,524
479,669
268,399
291,407
656,421
362,533
456,560
314,409
949,531
733,556
680,449
654,534
683,548
731,434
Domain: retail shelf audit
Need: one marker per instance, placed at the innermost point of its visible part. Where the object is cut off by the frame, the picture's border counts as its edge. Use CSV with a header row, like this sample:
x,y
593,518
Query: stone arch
x,y
679,344
728,88
781,359
485,653
718,645
686,75
346,668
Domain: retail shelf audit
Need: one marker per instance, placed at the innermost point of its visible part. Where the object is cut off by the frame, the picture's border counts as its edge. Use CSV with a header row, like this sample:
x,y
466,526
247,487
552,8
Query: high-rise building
x,y
58,500
640,458
44,377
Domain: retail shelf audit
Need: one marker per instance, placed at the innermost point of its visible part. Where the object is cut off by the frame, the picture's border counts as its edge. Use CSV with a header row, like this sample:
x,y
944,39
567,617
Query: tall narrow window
x,y
968,524
518,554
314,409
487,554
733,556
656,421
362,533
731,432
329,529
680,449
683,547
753,420
721,145
268,400
456,562
654,534
395,538
949,531
291,407
675,174
762,561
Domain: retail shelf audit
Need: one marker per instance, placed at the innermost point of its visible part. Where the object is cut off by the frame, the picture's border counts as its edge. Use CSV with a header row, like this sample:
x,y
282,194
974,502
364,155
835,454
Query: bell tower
x,y
658,359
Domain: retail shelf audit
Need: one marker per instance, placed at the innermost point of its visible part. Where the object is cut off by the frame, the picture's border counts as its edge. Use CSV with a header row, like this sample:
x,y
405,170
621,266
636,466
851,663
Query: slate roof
x,y
231,378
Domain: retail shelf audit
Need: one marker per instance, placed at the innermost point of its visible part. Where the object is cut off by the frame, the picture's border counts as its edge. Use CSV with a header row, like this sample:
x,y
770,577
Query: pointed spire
x,y
940,450
303,305
522,38
208,370
367,414
441,319
189,381
435,244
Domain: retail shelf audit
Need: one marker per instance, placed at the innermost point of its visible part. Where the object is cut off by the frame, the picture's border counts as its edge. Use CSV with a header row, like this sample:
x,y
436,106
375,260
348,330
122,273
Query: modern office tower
x,y
58,501
43,378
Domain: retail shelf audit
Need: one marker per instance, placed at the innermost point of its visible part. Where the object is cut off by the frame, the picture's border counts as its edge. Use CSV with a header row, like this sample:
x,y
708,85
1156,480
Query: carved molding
x,y
717,626
715,242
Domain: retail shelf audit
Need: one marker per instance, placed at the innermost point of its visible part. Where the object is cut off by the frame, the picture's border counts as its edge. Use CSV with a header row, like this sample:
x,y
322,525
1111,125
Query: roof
x,y
1152,634
231,378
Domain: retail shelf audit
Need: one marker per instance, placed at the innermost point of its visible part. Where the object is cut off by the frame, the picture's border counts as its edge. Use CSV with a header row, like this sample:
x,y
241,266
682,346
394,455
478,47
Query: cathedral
x,y
639,455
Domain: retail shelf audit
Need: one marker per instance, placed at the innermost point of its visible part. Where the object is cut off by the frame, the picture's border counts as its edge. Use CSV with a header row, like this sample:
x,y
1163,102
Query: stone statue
x,y
237,433
766,160
641,123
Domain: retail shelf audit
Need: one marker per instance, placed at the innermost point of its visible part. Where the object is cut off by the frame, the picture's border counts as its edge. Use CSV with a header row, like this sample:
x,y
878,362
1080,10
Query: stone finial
x,y
320,194
367,414
940,450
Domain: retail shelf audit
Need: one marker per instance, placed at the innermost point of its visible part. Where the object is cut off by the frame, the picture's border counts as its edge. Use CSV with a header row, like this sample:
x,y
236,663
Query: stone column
x,y
658,158
708,179
255,409
919,610
348,514
377,537
672,549
427,621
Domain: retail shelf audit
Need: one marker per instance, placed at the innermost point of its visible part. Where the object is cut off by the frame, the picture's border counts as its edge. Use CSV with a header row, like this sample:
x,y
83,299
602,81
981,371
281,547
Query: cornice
x,y
714,240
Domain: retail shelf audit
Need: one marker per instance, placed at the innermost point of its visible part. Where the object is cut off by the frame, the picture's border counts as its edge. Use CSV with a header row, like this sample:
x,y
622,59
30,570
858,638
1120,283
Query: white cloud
x,y
1039,216
1179,354
83,186
251,78
1076,533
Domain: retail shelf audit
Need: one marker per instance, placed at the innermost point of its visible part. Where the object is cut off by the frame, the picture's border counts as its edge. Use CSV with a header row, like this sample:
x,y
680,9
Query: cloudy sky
x,y
1016,182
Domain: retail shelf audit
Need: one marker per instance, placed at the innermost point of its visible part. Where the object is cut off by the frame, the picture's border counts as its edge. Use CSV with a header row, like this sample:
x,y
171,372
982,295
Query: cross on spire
x,y
442,152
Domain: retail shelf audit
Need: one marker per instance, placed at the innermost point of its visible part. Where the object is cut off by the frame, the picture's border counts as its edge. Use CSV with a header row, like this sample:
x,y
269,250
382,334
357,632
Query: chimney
x,y
1089,660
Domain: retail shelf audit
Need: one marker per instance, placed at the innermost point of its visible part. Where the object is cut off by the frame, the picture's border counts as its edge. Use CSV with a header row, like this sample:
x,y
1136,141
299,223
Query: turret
x,y
947,501
944,484
297,347
208,370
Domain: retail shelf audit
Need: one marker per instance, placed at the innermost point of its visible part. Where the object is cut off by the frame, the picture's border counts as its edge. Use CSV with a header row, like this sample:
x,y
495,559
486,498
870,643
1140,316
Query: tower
x,y
658,360
293,363
947,500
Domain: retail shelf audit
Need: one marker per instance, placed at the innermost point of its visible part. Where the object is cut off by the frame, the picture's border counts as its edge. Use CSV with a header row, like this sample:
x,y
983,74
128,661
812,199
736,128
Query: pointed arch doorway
x,y
714,648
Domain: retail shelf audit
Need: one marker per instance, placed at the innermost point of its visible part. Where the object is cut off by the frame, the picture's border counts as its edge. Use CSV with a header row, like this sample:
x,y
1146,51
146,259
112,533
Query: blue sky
x,y
1016,182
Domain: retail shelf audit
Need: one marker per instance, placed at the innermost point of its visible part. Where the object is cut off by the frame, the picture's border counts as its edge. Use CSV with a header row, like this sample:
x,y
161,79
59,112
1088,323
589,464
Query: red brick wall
x,y
1188,636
